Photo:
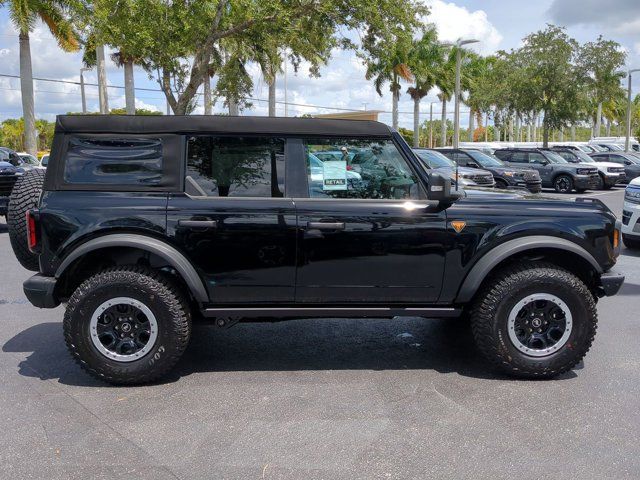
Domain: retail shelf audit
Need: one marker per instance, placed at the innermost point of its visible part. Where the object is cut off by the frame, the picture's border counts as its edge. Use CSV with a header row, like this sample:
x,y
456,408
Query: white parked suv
x,y
631,215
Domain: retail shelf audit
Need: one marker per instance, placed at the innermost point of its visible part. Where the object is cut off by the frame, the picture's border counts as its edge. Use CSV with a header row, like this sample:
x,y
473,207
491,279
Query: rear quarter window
x,y
114,161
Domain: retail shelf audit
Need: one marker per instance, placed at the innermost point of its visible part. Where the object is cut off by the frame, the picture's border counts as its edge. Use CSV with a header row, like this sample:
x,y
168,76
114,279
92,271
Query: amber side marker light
x,y
616,238
458,225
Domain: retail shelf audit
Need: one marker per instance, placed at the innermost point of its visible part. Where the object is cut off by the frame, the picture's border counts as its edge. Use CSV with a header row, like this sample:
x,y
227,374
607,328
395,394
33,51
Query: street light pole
x,y
456,115
628,137
84,100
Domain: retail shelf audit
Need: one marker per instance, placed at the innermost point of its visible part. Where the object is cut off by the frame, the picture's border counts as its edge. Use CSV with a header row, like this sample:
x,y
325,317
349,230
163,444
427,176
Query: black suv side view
x,y
505,176
554,170
144,225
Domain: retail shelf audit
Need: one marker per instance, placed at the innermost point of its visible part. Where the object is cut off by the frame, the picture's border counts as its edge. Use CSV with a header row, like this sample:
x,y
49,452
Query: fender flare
x,y
176,259
483,267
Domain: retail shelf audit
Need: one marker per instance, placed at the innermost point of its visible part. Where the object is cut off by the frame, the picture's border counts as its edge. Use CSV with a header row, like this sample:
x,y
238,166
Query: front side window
x,y
235,166
358,168
134,161
519,157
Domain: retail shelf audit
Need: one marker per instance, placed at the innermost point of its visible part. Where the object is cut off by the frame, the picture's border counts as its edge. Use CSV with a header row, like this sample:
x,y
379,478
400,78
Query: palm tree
x,y
424,58
391,65
445,81
24,15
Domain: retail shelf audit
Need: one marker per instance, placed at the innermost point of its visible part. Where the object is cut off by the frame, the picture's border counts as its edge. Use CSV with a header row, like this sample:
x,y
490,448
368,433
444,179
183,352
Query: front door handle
x,y
325,225
198,223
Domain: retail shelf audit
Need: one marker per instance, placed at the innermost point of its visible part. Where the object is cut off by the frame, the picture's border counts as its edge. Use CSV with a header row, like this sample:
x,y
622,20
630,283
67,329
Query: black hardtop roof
x,y
218,124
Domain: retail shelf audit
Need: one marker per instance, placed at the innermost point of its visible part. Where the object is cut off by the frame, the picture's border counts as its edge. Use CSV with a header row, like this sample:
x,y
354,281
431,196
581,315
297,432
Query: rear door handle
x,y
325,225
198,223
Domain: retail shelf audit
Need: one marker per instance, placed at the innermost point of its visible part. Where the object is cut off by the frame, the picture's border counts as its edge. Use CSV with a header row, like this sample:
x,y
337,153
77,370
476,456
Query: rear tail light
x,y
32,233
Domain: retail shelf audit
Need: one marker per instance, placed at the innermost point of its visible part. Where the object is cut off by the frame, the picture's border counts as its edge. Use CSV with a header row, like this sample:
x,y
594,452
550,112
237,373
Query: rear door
x,y
234,220
368,233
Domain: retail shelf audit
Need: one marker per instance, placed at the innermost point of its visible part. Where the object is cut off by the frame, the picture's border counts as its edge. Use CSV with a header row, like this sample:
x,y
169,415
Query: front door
x,y
368,233
234,221
540,163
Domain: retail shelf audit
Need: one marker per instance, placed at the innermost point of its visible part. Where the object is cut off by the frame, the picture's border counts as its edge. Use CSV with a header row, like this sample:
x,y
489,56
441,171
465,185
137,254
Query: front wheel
x,y
127,325
534,322
563,184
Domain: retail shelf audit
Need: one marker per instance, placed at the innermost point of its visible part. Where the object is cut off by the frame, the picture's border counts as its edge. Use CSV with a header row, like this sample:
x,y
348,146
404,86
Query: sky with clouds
x,y
498,24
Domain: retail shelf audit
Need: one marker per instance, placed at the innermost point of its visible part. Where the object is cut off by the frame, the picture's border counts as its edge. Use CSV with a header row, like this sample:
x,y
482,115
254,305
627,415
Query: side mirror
x,y
440,189
544,162
473,165
628,162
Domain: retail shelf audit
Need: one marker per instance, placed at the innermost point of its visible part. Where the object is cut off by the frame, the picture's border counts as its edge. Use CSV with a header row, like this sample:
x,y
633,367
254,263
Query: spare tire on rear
x,y
24,196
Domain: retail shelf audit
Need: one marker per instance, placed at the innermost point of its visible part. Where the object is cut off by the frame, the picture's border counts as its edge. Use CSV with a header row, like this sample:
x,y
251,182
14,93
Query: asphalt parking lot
x,y
340,398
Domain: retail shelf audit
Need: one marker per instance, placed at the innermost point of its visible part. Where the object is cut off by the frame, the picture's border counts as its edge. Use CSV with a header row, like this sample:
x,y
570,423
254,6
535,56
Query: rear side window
x,y
235,166
114,161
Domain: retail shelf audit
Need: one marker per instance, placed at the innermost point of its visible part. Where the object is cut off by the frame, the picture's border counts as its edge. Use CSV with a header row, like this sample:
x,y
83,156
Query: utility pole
x,y
431,124
456,115
84,100
286,101
628,137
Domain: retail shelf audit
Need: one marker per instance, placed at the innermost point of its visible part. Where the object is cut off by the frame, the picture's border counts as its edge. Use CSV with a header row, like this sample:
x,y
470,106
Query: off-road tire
x,y
24,196
630,242
557,184
489,321
501,184
155,290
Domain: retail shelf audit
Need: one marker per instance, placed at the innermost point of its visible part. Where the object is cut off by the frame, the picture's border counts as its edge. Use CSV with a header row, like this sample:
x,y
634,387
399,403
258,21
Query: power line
x,y
252,99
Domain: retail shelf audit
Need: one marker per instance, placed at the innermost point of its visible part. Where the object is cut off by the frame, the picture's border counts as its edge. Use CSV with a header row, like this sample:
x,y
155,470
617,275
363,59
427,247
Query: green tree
x,y
25,15
424,57
177,42
546,78
601,62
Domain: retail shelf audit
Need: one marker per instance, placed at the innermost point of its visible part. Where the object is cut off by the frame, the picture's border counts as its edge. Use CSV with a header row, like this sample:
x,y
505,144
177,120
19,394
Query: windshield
x,y
484,159
434,159
554,157
631,157
4,156
584,158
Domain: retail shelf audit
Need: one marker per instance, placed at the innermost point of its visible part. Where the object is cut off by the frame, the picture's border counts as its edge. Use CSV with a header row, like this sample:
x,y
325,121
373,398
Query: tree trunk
x,y
535,128
208,101
233,107
443,126
510,128
102,80
598,121
272,97
608,127
416,122
486,127
518,131
573,133
529,131
129,89
471,124
395,95
545,135
26,87
561,135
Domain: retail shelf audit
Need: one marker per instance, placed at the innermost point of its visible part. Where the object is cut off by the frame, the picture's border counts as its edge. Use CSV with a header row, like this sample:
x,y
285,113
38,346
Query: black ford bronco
x,y
143,225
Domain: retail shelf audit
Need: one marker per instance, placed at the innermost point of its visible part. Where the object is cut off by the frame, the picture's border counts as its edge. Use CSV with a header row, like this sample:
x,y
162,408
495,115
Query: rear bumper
x,y
39,290
611,283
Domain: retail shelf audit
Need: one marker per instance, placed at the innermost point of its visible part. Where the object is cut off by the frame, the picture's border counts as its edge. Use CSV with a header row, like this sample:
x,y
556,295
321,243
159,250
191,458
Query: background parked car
x,y
29,159
554,170
631,215
467,177
610,173
44,160
629,161
504,176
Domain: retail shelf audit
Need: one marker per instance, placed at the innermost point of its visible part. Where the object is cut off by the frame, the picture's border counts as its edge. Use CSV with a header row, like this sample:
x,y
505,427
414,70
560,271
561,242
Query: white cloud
x,y
453,22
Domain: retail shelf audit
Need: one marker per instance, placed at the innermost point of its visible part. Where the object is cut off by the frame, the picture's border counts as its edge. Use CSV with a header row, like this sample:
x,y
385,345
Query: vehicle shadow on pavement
x,y
3,228
445,346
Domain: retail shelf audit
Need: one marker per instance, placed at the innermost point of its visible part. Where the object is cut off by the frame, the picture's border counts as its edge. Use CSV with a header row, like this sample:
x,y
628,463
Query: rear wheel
x,y
563,184
534,322
127,325
501,184
25,195
630,242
